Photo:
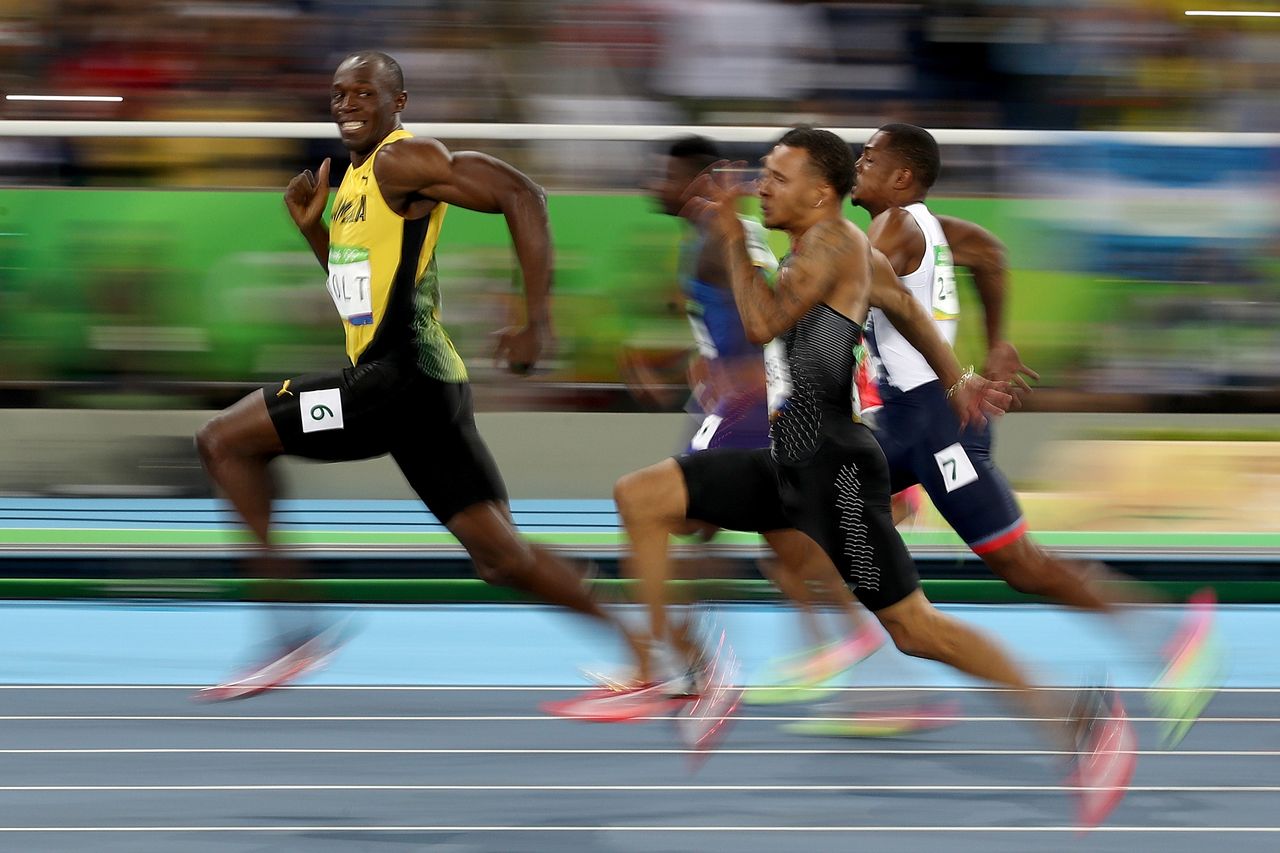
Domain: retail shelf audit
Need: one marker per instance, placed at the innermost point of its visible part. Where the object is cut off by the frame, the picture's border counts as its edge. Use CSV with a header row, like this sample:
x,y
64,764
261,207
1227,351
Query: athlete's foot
x,y
1105,759
631,695
629,703
904,715
1192,673
801,677
704,722
677,683
291,661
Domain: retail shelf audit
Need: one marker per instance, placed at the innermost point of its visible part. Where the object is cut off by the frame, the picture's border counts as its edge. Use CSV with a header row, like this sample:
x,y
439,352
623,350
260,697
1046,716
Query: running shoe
x,y
669,667
623,704
704,722
803,677
619,699
302,657
1106,758
899,718
1192,673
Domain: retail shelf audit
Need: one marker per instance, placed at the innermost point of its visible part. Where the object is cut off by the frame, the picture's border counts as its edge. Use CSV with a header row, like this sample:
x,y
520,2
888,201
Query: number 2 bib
x,y
946,298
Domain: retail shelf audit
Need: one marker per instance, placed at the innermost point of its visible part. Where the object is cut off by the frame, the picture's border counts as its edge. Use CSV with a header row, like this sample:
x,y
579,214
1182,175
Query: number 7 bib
x,y
956,468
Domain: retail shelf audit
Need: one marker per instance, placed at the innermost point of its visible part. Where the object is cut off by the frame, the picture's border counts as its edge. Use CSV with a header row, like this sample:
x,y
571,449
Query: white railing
x,y
603,132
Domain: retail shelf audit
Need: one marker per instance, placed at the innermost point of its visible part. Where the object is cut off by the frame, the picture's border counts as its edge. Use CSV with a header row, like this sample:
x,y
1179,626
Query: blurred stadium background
x,y
1126,153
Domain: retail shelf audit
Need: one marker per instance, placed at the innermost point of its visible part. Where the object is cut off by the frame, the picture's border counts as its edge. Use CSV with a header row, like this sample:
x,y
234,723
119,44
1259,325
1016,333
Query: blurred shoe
x,y
605,679
623,704
704,722
845,719
801,677
668,666
294,660
1192,673
1105,760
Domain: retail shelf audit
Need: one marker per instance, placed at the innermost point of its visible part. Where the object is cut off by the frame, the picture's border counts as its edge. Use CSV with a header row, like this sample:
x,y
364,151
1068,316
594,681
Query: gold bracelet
x,y
964,377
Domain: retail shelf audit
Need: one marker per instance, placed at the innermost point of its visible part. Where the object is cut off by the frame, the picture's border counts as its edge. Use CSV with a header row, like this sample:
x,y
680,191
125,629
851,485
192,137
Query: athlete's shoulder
x,y
896,233
411,157
893,223
842,232
827,232
833,240
835,234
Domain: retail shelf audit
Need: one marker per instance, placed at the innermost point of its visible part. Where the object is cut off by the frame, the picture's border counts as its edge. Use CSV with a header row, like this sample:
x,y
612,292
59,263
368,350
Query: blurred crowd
x,y
979,63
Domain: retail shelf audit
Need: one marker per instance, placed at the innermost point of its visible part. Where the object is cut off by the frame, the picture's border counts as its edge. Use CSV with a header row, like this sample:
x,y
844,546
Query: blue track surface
x,y
563,516
115,643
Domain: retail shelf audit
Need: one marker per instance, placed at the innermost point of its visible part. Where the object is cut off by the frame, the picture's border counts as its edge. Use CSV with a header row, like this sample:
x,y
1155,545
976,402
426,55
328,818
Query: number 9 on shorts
x,y
321,410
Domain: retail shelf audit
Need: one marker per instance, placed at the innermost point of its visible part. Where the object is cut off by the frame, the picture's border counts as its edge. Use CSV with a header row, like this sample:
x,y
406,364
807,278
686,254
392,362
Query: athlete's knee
x,y
628,494
212,443
922,633
907,637
243,431
504,564
648,494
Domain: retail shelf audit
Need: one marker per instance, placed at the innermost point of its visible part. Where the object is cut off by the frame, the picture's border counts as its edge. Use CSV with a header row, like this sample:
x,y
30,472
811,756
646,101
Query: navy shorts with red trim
x,y
923,443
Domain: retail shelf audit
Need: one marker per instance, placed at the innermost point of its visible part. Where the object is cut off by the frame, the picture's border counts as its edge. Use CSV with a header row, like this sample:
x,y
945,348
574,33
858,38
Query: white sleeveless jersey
x,y
934,285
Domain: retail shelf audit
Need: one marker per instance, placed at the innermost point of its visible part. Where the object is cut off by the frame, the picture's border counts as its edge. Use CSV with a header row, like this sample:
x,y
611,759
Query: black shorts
x,y
839,497
389,406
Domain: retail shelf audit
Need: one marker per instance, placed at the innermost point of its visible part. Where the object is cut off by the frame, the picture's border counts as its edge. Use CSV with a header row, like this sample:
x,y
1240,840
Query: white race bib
x,y
955,466
321,410
946,298
702,439
777,375
351,283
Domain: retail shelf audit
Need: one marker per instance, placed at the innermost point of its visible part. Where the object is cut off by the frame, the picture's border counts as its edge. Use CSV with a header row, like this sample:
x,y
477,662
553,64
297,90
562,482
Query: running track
x,y
426,734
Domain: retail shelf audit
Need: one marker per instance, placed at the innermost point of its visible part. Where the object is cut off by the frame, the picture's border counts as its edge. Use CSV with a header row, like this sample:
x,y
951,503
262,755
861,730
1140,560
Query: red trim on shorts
x,y
999,540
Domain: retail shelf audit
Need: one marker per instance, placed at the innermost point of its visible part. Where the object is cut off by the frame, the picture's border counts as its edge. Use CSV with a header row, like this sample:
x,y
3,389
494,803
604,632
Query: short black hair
x,y
698,150
918,149
391,68
831,155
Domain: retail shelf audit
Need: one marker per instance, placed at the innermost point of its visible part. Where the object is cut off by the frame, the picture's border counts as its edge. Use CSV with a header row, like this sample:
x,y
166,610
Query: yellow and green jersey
x,y
382,276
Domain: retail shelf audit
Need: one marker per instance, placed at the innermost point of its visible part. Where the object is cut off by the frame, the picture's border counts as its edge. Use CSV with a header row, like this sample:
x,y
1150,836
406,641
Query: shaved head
x,y
389,71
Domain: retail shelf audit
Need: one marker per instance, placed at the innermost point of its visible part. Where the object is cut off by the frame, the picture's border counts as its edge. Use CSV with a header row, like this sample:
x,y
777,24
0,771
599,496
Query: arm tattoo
x,y
802,282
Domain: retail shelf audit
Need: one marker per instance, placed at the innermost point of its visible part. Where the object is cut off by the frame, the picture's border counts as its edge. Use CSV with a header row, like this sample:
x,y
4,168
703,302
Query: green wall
x,y
218,286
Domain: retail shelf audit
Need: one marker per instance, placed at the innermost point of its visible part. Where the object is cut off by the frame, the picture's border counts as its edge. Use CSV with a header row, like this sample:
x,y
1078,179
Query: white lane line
x,y
676,829
238,750
534,718
1229,13
518,688
1151,789
97,99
